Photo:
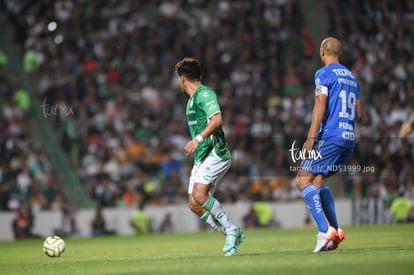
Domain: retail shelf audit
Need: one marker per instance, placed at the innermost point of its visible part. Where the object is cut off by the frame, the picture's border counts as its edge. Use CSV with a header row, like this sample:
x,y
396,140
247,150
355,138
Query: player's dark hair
x,y
189,67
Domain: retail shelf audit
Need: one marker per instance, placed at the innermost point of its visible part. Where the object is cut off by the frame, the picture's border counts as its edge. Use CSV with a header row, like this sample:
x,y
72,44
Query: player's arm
x,y
317,117
215,122
358,110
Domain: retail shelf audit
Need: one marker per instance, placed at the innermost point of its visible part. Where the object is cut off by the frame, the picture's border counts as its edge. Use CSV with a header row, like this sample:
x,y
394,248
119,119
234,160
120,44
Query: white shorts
x,y
210,171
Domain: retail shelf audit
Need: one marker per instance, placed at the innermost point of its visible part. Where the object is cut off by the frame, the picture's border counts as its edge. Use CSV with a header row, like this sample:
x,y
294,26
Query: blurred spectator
x,y
140,222
402,209
259,215
104,191
98,223
68,226
166,224
23,223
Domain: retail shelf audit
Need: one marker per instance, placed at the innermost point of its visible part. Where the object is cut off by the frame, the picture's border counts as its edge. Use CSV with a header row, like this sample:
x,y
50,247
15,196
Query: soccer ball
x,y
54,246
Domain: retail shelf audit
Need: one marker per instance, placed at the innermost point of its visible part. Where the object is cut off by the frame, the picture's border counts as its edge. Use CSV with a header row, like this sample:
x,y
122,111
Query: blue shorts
x,y
326,159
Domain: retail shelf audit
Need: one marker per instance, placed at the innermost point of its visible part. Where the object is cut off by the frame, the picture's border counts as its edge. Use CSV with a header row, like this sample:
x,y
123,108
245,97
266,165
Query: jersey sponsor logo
x,y
192,122
347,82
348,136
318,206
346,126
211,105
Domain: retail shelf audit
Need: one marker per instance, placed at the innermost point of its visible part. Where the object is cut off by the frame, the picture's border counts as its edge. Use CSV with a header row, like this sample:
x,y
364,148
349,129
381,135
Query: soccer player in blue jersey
x,y
330,141
212,158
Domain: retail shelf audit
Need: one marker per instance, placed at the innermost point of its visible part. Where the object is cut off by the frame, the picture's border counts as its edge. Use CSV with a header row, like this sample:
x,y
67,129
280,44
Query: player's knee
x,y
303,179
195,207
319,181
199,198
191,203
300,183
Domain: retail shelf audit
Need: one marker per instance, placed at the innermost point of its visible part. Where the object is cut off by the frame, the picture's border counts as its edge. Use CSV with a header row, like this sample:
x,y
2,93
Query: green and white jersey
x,y
200,107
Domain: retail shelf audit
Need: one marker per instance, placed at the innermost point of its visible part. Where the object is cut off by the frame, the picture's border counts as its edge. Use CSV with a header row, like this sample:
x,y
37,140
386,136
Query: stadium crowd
x,y
112,63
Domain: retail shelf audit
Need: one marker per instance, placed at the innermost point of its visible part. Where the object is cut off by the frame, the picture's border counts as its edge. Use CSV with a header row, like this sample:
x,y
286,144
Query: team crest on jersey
x,y
205,94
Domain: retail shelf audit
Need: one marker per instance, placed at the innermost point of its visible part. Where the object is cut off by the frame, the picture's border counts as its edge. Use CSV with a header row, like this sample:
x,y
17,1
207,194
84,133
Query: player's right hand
x,y
308,145
190,147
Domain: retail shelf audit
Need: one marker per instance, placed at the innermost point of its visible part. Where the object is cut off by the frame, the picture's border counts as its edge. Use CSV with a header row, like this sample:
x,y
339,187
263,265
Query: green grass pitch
x,y
373,249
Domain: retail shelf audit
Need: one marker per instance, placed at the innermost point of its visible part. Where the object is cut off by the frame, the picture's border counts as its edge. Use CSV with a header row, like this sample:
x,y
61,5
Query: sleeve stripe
x,y
213,114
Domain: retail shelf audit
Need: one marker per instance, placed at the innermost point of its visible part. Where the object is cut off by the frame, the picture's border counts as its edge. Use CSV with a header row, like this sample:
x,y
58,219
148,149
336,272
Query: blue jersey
x,y
343,90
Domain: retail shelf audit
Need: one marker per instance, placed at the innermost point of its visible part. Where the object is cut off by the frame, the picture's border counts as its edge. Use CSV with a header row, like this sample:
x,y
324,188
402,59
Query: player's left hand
x,y
190,147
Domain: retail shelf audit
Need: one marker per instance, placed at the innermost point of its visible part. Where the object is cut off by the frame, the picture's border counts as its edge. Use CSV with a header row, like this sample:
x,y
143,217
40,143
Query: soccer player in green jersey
x,y
212,157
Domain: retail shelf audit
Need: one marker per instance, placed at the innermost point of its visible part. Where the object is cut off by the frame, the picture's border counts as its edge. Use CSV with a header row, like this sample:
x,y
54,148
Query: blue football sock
x,y
312,199
328,205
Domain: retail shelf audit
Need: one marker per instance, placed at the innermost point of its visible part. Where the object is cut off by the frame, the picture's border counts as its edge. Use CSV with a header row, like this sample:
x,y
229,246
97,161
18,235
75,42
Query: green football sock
x,y
208,218
216,210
